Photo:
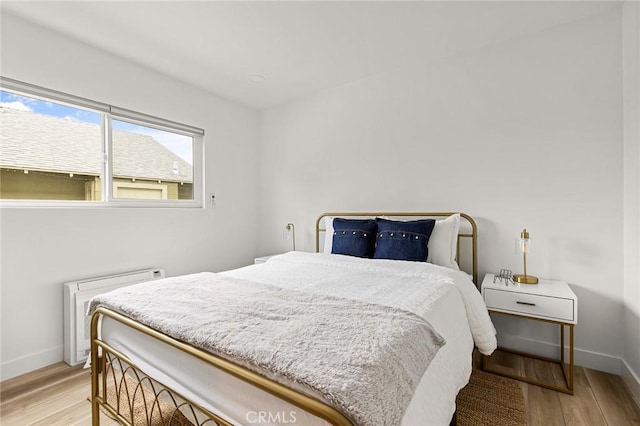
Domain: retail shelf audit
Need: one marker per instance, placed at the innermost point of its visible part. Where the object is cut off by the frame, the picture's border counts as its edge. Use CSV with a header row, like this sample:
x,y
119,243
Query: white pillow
x,y
443,242
328,234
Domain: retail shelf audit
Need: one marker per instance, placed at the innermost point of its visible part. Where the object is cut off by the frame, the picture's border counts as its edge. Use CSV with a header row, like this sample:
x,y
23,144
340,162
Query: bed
x,y
152,356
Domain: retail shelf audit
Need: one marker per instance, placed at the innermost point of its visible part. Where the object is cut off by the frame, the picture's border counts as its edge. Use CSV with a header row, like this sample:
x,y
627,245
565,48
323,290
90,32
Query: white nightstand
x,y
548,301
262,259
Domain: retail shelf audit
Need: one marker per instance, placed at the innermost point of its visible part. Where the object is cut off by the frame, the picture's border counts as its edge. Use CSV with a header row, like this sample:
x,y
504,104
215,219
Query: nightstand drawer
x,y
554,308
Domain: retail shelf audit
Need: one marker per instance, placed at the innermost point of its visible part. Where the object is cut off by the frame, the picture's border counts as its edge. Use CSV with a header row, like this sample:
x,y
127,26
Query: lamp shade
x,y
524,246
291,228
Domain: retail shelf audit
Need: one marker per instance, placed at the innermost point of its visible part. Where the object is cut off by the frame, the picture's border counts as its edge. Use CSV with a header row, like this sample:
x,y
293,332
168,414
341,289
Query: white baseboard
x,y
29,363
583,357
632,381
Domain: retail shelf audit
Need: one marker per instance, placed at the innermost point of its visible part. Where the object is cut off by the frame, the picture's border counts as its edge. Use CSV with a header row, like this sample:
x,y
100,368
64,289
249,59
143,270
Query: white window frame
x,y
112,112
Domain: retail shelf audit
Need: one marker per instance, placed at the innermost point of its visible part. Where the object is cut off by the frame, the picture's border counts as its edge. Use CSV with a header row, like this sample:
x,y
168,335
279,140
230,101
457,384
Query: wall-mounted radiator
x,y
77,295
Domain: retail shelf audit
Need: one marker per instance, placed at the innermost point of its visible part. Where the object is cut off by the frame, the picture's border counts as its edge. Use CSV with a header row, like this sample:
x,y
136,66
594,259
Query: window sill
x,y
99,204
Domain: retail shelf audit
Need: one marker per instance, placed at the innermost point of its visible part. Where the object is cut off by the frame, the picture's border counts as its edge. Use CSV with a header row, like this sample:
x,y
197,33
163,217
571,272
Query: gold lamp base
x,y
525,279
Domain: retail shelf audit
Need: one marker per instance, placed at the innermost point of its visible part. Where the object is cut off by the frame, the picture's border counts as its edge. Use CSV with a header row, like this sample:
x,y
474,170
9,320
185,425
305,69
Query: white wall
x,y
43,248
631,111
526,133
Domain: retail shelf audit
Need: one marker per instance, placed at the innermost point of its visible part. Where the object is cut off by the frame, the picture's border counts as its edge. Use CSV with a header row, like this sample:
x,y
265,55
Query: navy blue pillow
x,y
354,237
403,240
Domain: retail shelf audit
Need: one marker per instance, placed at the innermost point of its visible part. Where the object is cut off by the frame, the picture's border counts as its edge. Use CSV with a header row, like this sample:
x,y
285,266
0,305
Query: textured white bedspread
x,y
365,359
394,283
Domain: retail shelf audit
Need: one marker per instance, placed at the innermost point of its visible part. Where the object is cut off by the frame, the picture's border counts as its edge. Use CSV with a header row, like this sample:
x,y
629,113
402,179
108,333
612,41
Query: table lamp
x,y
524,245
291,228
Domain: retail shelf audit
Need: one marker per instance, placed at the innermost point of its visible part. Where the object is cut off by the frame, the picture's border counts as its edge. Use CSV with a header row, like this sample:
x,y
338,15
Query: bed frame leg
x,y
96,367
95,407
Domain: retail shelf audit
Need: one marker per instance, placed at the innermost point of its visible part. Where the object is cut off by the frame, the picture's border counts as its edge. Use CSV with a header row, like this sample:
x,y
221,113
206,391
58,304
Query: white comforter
x,y
364,359
453,294
331,274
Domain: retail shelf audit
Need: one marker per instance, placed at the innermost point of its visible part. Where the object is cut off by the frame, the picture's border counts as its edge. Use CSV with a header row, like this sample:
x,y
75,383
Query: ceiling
x,y
293,48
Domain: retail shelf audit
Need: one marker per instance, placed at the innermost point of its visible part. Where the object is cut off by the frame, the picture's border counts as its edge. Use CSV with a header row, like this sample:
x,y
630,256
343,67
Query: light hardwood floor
x,y
57,395
599,398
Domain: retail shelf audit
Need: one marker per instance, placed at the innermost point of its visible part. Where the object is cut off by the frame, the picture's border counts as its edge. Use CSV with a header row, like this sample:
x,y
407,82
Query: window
x,y
58,149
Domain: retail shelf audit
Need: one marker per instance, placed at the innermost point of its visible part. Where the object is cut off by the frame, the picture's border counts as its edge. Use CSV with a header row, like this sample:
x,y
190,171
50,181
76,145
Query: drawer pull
x,y
525,303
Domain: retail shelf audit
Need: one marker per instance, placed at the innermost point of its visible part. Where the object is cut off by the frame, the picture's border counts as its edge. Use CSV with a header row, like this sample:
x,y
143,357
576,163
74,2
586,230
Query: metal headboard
x,y
473,235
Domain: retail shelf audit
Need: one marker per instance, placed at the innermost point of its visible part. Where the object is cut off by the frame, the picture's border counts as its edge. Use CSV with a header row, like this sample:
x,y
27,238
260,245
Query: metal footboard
x,y
121,388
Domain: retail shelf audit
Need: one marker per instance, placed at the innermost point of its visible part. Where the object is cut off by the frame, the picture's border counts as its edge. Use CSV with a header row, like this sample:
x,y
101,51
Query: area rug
x,y
490,400
146,409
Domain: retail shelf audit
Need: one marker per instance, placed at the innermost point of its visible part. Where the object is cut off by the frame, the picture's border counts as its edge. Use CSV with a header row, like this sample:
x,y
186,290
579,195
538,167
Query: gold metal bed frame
x,y
121,388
